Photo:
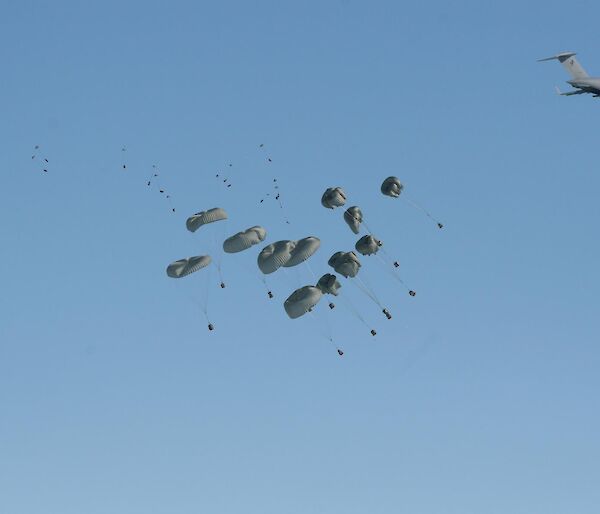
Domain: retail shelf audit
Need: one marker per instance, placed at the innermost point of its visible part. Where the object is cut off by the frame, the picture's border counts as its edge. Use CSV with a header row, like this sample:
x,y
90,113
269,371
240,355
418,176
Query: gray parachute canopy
x,y
184,267
392,186
353,217
303,250
367,245
275,255
345,263
194,222
333,197
329,284
244,240
302,300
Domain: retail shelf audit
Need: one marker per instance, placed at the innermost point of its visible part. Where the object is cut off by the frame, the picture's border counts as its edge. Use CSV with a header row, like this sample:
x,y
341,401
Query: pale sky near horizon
x,y
479,396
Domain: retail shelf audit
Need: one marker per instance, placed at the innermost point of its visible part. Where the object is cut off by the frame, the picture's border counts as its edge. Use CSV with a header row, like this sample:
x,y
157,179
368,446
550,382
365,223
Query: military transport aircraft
x,y
581,80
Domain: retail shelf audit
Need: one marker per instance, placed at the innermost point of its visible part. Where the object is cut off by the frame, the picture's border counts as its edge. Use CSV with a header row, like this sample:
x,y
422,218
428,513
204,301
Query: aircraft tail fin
x,y
567,59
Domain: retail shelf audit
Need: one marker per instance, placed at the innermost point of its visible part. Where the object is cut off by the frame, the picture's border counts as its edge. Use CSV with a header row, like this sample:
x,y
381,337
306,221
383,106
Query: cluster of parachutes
x,y
289,253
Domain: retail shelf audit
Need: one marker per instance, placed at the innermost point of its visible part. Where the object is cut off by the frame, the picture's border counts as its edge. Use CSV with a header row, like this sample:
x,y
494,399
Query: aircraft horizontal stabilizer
x,y
559,57
569,93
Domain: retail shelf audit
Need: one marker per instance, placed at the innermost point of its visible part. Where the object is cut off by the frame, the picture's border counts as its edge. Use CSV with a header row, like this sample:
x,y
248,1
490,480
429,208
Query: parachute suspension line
x,y
254,271
395,275
217,250
368,290
356,313
423,210
311,271
327,331
359,286
290,279
264,281
368,228
372,295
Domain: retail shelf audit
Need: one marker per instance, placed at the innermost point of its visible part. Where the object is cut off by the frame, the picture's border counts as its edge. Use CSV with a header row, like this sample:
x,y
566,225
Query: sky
x,y
479,396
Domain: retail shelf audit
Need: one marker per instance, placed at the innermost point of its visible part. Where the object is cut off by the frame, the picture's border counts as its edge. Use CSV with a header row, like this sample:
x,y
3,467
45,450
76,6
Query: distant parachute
x,y
333,197
370,245
303,250
345,263
392,186
348,265
353,217
244,240
275,255
329,284
194,222
367,245
185,267
302,301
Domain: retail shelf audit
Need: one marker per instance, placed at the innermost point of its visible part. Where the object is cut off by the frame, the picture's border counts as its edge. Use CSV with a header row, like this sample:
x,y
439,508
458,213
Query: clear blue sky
x,y
480,396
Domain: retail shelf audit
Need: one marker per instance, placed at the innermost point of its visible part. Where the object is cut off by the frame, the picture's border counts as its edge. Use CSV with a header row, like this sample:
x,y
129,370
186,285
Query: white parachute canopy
x,y
184,267
302,301
244,240
194,222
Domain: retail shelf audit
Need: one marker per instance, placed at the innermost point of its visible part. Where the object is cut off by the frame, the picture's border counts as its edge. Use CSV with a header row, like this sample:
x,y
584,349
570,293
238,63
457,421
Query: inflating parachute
x,y
353,217
244,240
329,284
303,249
333,197
345,263
348,265
275,255
392,186
194,222
367,245
302,301
184,267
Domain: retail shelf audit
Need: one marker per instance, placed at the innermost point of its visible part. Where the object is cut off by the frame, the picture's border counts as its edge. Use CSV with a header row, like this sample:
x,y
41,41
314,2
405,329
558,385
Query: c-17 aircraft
x,y
581,80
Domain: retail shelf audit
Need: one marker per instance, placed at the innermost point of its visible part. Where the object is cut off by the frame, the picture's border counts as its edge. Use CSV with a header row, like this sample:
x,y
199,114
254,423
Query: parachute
x,y
194,222
302,301
345,263
348,265
333,197
329,284
370,245
244,240
303,249
275,255
392,186
367,245
353,217
184,267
